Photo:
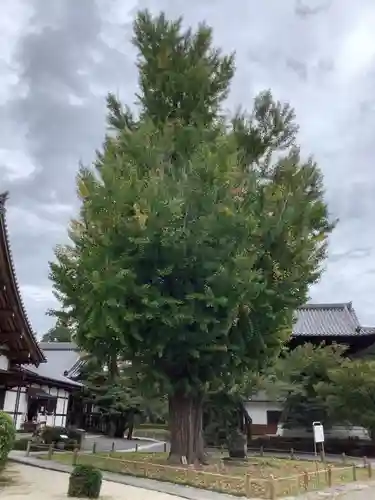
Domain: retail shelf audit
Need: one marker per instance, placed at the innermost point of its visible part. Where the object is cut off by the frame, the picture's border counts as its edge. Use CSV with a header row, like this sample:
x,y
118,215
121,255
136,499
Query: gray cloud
x,y
61,58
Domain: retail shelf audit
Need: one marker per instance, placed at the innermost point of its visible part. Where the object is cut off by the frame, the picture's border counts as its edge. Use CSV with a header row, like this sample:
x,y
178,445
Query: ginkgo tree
x,y
198,234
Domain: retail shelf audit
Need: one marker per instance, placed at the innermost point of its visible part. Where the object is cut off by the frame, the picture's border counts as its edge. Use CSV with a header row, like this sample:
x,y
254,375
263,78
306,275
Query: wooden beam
x,y
6,313
16,333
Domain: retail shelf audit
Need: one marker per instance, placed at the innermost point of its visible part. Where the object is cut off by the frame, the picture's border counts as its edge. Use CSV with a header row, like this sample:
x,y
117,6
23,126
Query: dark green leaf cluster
x,y
349,394
295,378
85,482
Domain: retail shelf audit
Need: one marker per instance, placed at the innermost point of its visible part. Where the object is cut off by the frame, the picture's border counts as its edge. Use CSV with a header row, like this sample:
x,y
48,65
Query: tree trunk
x,y
186,433
130,426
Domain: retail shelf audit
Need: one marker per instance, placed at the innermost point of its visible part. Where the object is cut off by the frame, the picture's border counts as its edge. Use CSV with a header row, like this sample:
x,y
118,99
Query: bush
x,y
52,435
7,437
149,425
20,444
85,482
334,446
75,435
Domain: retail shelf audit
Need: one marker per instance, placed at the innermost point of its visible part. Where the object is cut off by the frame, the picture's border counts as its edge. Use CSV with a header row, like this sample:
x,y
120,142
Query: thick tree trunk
x,y
186,433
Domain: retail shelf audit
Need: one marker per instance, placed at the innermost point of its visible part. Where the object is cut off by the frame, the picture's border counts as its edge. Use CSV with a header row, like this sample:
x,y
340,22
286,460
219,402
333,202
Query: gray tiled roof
x,y
61,357
328,320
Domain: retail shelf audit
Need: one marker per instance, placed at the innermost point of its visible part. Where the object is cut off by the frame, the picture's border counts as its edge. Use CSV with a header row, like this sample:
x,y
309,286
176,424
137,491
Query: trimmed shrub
x,y
7,437
85,482
52,435
20,444
76,435
333,446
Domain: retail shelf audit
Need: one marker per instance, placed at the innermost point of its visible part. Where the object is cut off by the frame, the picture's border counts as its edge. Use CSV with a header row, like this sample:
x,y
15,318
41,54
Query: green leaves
x,y
295,379
198,234
349,393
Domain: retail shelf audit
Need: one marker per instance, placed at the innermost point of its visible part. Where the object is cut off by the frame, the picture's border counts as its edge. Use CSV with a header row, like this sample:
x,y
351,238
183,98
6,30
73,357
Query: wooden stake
x,y
248,485
306,480
329,475
75,456
28,448
354,469
272,488
50,451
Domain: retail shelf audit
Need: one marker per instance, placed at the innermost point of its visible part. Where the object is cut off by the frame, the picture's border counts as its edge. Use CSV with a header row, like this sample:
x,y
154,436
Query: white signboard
x,y
318,432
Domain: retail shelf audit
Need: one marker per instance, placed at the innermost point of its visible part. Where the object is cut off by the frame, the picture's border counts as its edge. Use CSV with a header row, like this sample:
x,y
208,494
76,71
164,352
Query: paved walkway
x,y
104,443
46,485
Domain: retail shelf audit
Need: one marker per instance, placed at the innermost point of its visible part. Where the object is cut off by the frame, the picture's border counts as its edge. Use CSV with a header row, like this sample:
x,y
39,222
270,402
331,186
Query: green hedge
x,y
21,445
85,482
7,437
152,426
52,435
351,447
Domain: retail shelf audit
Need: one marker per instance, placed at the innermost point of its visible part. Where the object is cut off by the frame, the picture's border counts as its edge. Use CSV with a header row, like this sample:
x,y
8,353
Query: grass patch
x,y
153,433
253,478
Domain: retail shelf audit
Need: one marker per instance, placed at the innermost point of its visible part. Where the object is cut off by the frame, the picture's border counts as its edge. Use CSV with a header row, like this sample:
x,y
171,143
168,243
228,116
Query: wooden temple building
x,y
315,323
27,385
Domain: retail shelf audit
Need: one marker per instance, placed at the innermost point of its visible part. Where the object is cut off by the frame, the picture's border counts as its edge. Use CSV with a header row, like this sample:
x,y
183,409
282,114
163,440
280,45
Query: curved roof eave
x,y
36,353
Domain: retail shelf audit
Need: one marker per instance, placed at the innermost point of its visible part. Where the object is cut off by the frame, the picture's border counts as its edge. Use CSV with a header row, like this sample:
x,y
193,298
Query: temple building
x,y
315,324
28,383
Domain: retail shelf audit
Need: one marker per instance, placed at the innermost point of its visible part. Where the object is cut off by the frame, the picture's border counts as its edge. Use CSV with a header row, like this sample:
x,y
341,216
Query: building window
x,y
51,406
273,417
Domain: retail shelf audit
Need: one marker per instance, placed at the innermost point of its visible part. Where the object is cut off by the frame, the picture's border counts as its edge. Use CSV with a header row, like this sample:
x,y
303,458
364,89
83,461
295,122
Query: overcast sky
x,y
59,58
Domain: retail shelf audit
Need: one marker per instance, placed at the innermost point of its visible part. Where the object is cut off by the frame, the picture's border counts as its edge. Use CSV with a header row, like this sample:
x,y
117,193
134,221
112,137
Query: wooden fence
x,y
243,485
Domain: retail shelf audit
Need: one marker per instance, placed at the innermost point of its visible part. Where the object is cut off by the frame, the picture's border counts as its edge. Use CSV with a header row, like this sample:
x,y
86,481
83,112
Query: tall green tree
x,y
198,235
349,394
58,333
294,380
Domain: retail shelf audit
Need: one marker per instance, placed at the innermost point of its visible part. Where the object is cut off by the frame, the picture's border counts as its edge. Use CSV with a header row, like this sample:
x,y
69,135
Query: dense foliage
x,y
7,437
294,381
118,397
57,333
85,482
349,394
198,236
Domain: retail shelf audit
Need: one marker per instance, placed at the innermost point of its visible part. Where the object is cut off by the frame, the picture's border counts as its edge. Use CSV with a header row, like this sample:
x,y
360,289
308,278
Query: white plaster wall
x,y
257,410
61,406
10,401
4,362
10,405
